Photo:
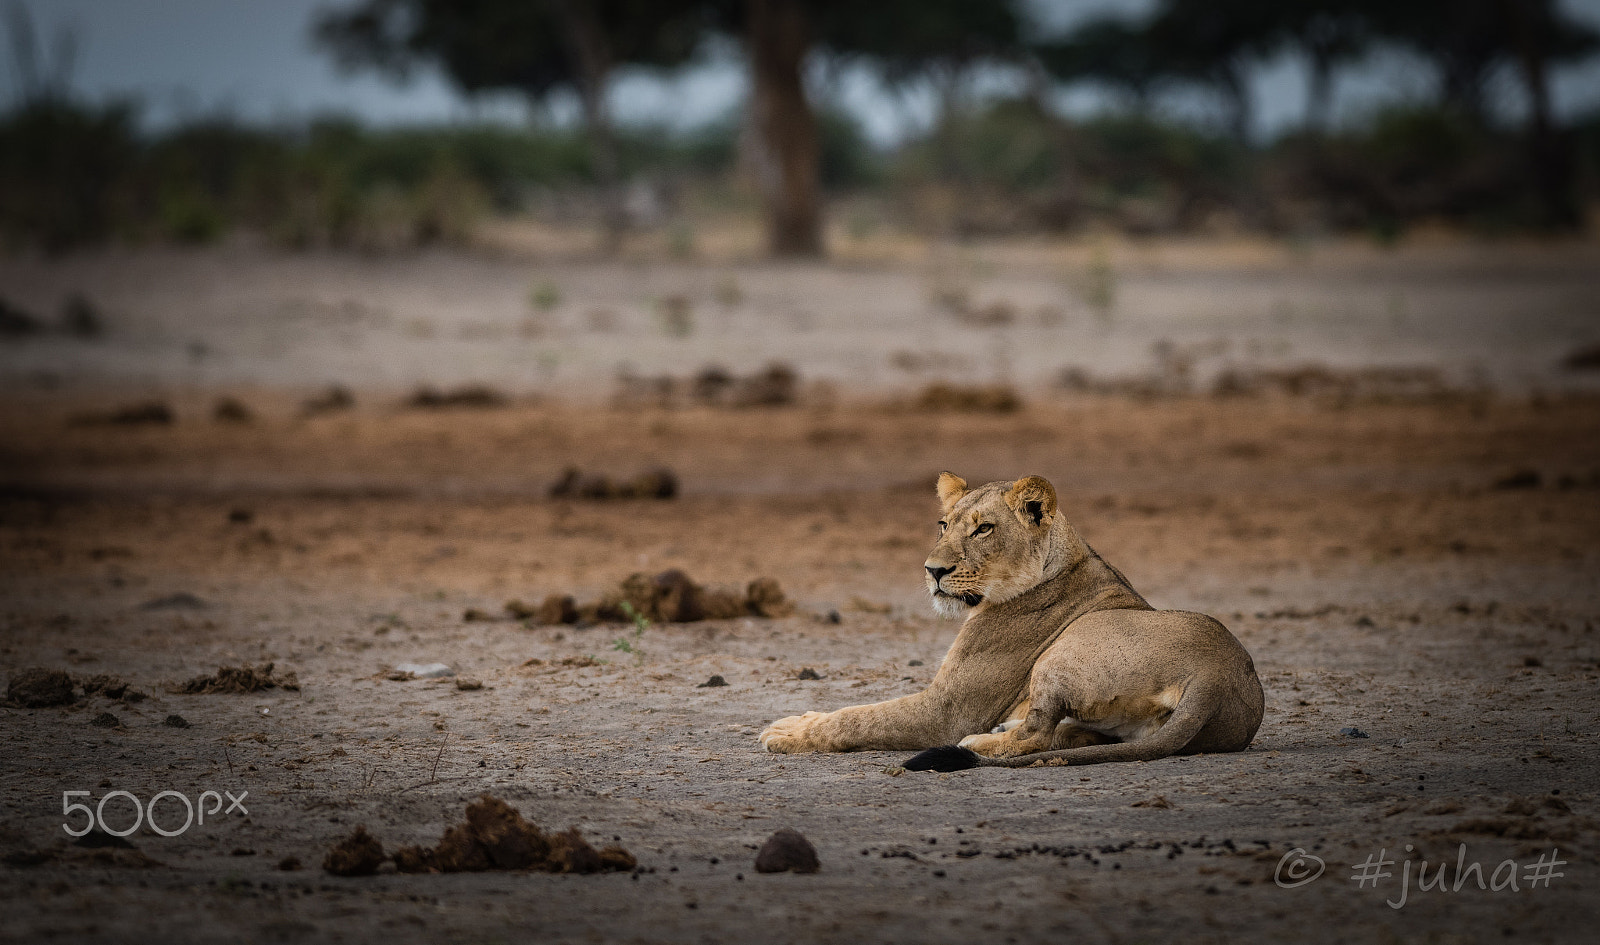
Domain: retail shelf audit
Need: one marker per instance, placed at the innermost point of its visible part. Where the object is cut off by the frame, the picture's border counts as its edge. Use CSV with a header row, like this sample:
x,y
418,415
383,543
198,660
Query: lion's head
x,y
995,541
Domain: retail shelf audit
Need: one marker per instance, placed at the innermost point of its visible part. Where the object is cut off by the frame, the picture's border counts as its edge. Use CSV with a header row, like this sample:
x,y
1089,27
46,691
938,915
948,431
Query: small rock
x,y
468,684
712,683
106,720
289,864
425,670
175,721
787,852
1159,801
1352,732
356,855
915,663
40,688
809,673
474,615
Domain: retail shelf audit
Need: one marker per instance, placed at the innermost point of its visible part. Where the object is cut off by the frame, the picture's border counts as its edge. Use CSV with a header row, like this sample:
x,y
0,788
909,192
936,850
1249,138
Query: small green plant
x,y
544,295
677,315
1099,286
641,623
680,240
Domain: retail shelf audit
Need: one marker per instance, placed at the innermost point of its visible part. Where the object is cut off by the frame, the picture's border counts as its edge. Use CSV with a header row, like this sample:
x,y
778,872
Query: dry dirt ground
x,y
1421,571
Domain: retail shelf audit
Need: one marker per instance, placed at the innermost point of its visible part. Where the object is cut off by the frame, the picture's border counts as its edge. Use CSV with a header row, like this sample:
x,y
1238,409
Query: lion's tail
x,y
1188,718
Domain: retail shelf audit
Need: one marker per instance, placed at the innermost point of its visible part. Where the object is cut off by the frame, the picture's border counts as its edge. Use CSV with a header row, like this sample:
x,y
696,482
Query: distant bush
x,y
1411,164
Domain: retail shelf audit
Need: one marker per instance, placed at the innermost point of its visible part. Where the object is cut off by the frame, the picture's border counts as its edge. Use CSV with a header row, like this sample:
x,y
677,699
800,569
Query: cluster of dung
x,y
238,679
659,483
494,837
669,597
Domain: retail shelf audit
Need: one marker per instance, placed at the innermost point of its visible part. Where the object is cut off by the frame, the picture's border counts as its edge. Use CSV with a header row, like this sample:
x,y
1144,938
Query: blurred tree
x,y
1329,33
1468,40
535,47
938,39
1108,50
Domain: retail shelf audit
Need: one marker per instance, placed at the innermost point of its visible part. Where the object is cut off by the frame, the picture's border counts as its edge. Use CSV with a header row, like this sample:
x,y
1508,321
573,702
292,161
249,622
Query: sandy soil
x,y
1374,557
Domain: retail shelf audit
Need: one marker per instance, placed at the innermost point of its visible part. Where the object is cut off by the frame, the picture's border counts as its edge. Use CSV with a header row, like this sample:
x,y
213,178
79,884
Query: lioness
x,y
1059,660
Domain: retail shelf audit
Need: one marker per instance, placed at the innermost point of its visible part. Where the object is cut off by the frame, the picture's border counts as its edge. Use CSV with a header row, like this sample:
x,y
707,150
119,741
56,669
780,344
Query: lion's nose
x,y
936,572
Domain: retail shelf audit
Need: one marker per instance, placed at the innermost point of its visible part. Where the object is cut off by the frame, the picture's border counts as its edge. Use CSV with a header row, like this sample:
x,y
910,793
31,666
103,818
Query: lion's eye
x,y
943,526
983,529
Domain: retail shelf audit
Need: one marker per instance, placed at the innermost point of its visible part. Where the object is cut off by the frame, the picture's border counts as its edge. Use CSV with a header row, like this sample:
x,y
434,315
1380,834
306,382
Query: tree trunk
x,y
1235,88
786,129
1319,90
586,39
1552,162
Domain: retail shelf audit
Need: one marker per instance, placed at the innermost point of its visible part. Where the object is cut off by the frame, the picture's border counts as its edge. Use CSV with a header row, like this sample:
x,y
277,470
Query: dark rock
x,y
175,721
787,852
1352,732
713,682
106,720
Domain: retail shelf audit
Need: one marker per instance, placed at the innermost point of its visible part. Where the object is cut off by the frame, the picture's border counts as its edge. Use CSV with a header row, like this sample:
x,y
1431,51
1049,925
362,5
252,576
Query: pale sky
x,y
254,59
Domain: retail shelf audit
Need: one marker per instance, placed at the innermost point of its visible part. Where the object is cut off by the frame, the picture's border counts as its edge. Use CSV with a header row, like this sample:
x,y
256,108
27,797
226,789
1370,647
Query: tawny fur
x,y
1059,661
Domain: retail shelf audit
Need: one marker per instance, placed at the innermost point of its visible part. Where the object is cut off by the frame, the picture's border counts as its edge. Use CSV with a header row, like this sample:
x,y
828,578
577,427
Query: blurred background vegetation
x,y
75,173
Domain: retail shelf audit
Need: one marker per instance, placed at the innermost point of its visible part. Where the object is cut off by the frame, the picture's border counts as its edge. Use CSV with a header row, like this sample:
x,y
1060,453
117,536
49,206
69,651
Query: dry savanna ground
x,y
1417,564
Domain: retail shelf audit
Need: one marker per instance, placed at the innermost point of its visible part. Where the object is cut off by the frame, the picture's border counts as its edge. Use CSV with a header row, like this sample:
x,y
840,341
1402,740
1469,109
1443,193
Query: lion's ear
x,y
1033,499
951,488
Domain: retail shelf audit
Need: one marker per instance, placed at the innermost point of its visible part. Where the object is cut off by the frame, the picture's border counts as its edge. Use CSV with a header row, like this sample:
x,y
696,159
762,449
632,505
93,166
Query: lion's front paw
x,y
1001,744
790,735
987,743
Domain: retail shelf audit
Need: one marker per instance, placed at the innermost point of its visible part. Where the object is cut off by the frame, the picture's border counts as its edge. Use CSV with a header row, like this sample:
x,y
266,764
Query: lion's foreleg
x,y
906,723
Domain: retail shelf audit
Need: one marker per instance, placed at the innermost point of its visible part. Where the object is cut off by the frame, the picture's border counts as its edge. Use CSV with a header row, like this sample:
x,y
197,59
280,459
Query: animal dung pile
x,y
475,395
496,837
238,679
668,597
979,398
660,483
359,854
776,385
40,688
